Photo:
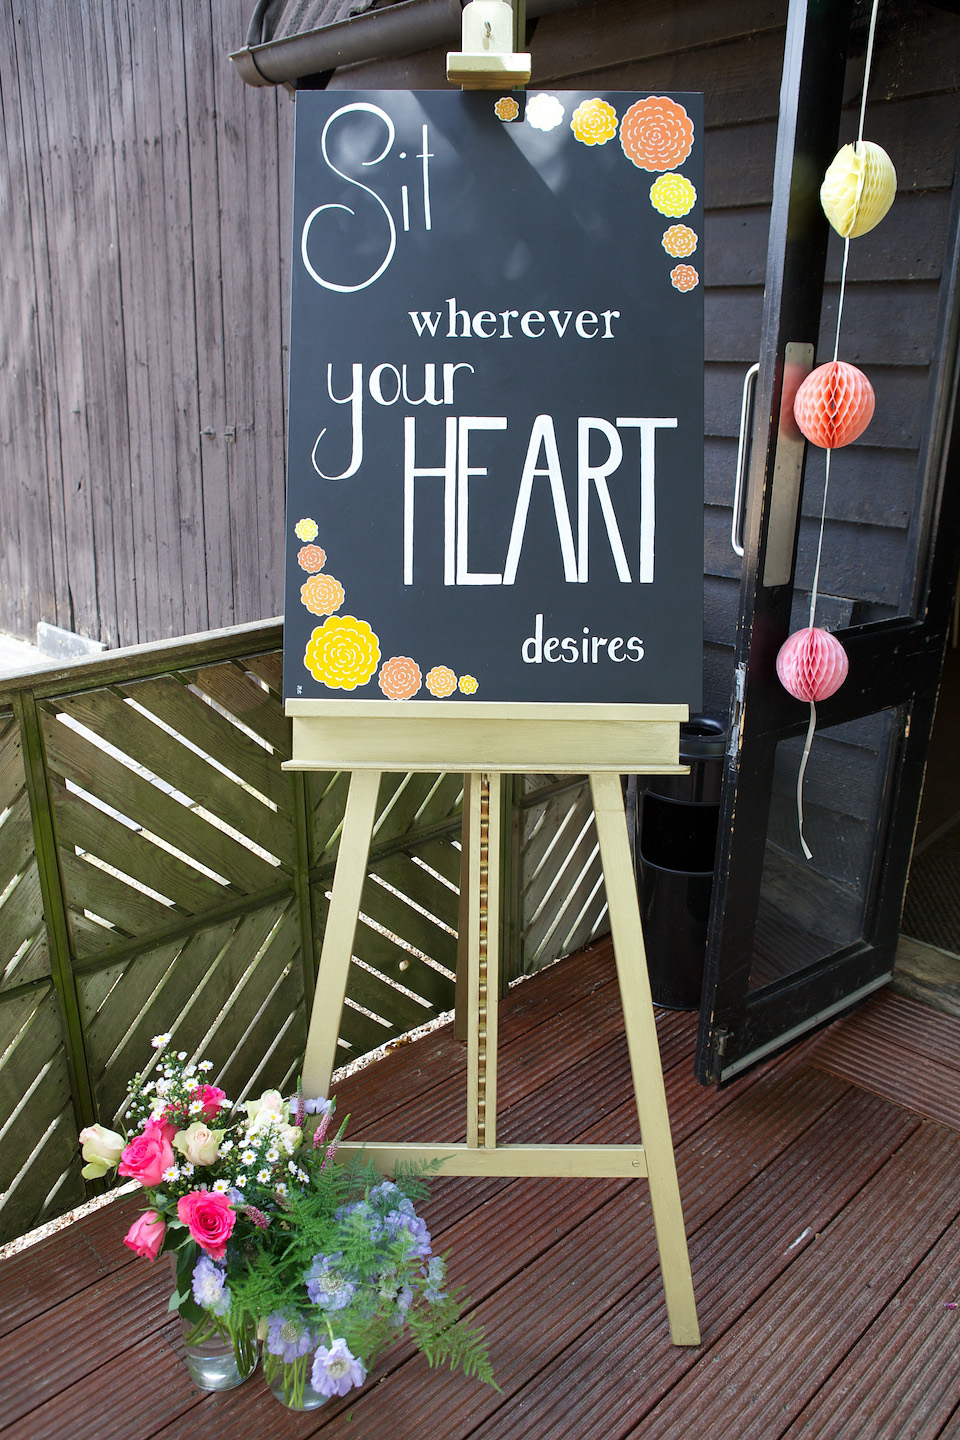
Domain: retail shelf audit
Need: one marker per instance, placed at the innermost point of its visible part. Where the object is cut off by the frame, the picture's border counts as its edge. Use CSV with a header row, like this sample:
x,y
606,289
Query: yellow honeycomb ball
x,y
858,188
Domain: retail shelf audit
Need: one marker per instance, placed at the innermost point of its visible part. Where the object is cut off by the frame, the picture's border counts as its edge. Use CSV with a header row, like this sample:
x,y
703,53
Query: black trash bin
x,y
676,852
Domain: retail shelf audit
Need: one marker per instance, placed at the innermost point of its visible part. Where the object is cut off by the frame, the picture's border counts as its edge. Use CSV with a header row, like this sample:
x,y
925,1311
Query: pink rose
x,y
209,1218
148,1156
145,1236
212,1098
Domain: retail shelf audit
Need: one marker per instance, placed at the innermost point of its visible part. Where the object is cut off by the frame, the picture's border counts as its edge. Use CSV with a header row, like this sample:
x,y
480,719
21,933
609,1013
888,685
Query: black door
x,y
793,941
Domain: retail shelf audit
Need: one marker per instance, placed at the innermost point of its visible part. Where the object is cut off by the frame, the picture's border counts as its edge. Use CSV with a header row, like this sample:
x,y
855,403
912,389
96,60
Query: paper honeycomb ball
x,y
812,664
858,188
834,404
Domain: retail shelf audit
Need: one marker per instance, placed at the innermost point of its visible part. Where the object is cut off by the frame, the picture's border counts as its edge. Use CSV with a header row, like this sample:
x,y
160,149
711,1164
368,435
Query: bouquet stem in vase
x,y
219,1357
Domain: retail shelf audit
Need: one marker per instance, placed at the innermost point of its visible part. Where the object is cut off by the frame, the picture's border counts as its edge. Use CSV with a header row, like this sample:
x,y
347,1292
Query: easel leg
x,y
482,839
644,1051
341,928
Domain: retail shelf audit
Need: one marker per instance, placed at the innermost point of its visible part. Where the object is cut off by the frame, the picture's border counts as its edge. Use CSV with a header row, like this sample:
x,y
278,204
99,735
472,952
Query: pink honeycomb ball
x,y
812,664
834,404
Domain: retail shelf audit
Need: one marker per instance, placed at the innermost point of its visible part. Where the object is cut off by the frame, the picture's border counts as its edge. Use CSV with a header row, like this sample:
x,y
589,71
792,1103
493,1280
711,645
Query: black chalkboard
x,y
495,477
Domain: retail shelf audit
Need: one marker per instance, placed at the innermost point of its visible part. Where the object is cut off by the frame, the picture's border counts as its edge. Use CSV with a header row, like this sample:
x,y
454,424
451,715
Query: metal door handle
x,y
743,452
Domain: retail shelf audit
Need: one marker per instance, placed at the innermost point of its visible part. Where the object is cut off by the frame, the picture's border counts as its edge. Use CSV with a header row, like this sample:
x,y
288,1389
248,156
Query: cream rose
x,y
199,1143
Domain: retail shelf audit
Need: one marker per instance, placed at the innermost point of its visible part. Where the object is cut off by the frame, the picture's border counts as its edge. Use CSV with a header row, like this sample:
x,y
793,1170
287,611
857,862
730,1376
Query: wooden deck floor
x,y
822,1199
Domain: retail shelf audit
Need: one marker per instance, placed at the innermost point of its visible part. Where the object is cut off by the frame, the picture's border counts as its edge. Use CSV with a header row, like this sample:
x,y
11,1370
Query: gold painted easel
x,y
483,742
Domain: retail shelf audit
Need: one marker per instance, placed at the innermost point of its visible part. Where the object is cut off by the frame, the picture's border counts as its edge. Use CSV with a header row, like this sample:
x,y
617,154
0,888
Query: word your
x,y
490,324
381,214
541,463
586,651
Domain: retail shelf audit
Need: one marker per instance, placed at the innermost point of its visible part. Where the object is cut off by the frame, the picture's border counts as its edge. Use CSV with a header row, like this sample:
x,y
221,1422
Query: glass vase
x,y
291,1384
219,1357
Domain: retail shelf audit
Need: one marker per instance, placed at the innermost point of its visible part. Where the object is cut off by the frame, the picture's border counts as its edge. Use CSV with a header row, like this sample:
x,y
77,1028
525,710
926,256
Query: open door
x,y
793,941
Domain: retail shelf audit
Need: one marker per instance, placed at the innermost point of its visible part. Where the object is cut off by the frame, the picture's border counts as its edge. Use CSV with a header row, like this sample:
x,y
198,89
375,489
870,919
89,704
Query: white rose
x,y
198,1143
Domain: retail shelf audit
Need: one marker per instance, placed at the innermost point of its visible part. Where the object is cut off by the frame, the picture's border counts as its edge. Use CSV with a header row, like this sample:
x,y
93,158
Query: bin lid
x,y
702,737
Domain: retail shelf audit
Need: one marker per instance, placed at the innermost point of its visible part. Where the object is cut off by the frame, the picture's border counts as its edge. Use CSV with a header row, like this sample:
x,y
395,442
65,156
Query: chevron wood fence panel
x,y
160,871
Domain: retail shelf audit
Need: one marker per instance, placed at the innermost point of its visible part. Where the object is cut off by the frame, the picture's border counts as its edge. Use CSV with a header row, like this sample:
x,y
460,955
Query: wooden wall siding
x,y
159,870
146,198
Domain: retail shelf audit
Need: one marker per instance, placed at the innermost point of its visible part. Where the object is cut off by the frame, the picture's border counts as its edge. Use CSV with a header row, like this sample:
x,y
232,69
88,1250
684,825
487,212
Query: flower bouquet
x,y
274,1239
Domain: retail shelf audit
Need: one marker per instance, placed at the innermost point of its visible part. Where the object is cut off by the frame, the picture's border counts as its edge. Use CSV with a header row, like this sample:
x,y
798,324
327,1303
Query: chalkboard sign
x,y
495,479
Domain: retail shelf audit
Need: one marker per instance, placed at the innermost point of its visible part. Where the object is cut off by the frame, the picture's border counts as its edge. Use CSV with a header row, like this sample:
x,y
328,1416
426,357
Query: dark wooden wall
x,y
145,275
145,200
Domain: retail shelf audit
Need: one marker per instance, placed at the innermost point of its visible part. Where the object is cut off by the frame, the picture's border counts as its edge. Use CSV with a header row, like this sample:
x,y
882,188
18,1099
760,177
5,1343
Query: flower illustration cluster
x,y
344,652
656,135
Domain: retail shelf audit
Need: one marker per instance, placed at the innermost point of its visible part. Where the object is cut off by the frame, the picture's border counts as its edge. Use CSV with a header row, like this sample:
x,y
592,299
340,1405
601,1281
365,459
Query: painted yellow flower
x,y
342,653
672,195
322,594
467,685
306,529
506,108
441,681
594,122
680,240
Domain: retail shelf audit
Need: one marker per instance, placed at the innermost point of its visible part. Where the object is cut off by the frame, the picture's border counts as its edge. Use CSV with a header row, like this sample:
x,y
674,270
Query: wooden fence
x,y
160,871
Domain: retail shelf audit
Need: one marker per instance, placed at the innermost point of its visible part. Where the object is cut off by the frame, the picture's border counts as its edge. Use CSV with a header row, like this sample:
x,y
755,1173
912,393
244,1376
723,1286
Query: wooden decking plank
x,y
901,1049
826,1301
124,1398
808,1182
905,1371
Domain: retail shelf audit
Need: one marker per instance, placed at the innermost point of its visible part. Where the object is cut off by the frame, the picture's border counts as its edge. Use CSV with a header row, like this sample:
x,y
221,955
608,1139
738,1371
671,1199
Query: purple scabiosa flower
x,y
327,1286
335,1371
209,1286
400,1221
434,1273
288,1337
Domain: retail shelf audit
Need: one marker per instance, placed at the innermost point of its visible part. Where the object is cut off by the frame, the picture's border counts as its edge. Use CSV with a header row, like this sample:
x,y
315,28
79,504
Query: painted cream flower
x,y
544,112
342,653
306,529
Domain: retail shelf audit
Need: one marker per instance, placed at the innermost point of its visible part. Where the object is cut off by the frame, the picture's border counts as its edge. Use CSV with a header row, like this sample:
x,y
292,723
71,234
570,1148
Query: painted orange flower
x,y
594,122
311,558
306,529
322,594
673,195
506,108
680,240
399,677
441,681
684,277
343,652
656,133
467,685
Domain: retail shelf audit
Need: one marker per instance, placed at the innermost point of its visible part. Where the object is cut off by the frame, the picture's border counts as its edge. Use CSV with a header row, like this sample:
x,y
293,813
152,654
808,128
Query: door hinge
x,y
736,719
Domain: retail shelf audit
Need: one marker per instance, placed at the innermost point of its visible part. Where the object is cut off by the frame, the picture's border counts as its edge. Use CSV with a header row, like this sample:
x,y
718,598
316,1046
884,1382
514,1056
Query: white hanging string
x,y
868,65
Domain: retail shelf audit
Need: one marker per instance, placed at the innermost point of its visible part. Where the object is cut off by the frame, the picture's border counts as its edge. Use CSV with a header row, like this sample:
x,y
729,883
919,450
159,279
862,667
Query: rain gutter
x,y
402,29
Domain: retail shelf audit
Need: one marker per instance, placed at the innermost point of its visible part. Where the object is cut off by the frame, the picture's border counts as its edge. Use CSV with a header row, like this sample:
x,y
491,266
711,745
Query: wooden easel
x,y
635,739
